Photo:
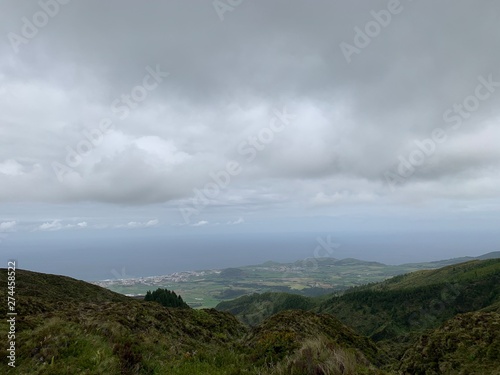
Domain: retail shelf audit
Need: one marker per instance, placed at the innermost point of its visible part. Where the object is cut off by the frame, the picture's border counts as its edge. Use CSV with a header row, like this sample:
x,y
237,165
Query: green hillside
x,y
299,342
66,326
395,312
414,301
417,301
457,273
255,308
432,322
466,344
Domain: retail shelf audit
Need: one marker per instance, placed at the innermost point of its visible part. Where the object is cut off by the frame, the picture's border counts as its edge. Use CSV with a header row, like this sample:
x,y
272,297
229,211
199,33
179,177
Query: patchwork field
x,y
310,277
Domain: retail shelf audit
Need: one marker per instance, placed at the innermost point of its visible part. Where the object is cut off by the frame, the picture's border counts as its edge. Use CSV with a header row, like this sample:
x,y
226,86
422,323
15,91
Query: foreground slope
x,y
405,313
66,326
288,329
419,300
467,344
411,302
255,308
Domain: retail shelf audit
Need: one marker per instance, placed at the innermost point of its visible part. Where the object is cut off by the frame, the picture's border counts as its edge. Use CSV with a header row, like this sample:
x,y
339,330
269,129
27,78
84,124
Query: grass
x,y
466,344
66,326
318,356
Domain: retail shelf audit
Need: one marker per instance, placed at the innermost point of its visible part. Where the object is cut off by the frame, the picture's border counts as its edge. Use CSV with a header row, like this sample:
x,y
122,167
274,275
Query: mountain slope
x,y
66,326
404,311
462,272
492,255
419,300
294,327
255,308
466,344
402,304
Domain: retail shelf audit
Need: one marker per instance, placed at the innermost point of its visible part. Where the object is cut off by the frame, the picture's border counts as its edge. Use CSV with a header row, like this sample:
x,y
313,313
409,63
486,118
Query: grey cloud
x,y
353,119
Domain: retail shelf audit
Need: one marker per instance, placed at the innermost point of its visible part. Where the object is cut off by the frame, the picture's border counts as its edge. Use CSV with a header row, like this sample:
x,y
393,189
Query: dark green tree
x,y
166,298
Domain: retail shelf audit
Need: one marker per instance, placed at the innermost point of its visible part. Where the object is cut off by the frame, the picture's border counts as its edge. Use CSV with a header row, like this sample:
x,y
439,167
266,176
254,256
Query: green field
x,y
205,289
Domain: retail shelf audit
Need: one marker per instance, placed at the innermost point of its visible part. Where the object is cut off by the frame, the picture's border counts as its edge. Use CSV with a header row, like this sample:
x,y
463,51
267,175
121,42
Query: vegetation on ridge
x,y
166,298
100,332
66,326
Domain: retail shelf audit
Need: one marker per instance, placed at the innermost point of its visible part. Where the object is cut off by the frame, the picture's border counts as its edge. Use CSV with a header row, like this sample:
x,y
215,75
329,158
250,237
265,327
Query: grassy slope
x,y
66,326
406,302
467,344
255,308
396,311
300,342
407,311
463,272
290,328
419,300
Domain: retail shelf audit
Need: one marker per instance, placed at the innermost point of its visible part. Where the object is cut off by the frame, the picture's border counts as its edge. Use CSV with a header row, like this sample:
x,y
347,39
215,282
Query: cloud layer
x,y
88,113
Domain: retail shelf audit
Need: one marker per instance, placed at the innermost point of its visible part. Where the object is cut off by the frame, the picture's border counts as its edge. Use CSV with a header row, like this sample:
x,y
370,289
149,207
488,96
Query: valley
x,y
309,277
443,320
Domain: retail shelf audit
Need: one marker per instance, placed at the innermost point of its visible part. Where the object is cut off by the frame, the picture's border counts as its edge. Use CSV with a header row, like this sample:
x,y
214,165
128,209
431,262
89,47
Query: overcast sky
x,y
261,115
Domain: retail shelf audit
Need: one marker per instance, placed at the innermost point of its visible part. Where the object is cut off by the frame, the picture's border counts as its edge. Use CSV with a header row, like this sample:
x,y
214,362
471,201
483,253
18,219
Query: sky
x,y
124,120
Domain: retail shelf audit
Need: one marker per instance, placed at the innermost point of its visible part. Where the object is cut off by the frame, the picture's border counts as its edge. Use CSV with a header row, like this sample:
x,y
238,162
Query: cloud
x,y
11,167
54,225
353,120
240,220
322,199
152,223
7,226
200,223
58,224
137,224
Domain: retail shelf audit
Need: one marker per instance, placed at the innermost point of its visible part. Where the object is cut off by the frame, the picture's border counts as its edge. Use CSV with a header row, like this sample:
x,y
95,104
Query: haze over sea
x,y
150,252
